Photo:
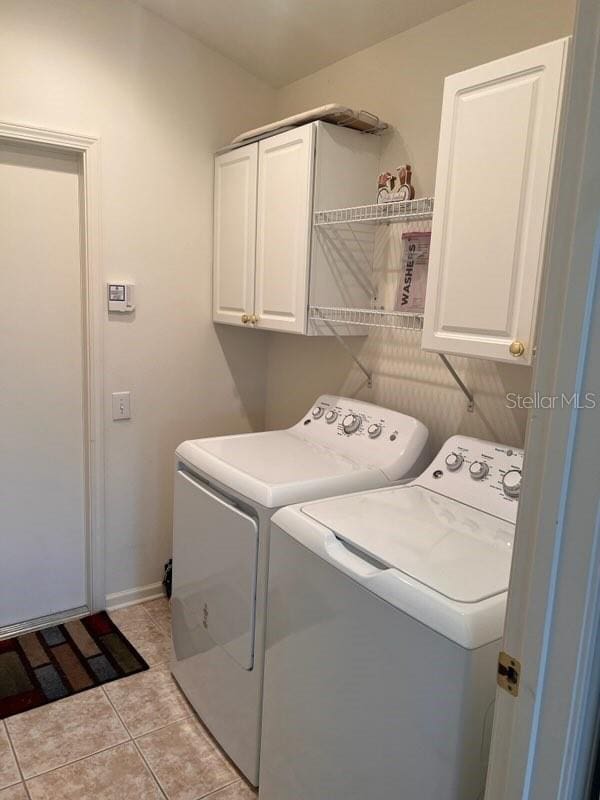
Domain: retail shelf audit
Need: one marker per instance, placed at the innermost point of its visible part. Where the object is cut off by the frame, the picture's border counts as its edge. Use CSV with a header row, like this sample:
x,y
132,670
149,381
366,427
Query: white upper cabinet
x,y
234,234
283,234
498,142
268,265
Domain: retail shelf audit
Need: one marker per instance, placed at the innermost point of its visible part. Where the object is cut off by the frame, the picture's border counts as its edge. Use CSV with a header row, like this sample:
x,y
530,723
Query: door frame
x,y
88,149
544,739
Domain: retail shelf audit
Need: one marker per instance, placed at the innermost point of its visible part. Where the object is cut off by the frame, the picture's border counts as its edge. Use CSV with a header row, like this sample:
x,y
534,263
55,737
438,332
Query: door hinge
x,y
509,673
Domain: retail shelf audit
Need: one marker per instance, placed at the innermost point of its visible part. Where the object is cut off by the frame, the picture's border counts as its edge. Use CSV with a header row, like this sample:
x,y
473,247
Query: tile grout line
x,y
78,760
150,617
139,752
220,789
162,665
14,753
203,734
124,625
154,776
75,760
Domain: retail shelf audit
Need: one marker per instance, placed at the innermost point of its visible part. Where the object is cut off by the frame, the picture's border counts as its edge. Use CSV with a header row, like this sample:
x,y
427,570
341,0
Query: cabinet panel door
x,y
285,177
498,142
234,234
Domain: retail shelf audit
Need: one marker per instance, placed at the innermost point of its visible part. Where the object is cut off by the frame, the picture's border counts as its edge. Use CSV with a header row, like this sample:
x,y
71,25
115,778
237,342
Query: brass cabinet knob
x,y
245,318
517,348
253,319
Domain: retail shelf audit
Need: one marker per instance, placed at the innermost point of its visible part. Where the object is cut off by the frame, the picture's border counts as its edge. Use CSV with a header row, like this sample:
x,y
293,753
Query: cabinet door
x,y
234,234
285,177
496,156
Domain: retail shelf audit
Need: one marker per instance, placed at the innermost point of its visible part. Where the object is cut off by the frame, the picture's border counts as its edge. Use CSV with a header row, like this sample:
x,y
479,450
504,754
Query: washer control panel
x,y
367,434
485,475
352,417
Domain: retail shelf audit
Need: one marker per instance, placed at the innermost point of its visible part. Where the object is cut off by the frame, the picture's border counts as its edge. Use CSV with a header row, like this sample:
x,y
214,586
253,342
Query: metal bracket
x,y
467,392
369,375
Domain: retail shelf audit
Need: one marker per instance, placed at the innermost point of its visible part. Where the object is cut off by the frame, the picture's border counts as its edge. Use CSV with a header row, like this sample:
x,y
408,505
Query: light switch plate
x,y
121,405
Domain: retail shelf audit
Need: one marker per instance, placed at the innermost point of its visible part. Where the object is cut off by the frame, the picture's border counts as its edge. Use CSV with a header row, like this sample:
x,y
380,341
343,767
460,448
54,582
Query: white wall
x,y
401,79
161,103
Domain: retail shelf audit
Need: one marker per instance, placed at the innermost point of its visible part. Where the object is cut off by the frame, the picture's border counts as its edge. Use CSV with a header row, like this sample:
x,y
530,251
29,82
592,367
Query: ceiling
x,y
283,40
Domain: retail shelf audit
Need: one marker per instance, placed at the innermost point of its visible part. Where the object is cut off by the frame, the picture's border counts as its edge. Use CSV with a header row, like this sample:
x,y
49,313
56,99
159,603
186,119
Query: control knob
x,y
478,470
318,412
331,416
454,461
374,430
511,482
351,423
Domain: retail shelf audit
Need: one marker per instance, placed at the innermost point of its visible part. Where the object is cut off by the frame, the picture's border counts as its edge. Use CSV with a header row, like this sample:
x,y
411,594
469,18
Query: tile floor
x,y
133,739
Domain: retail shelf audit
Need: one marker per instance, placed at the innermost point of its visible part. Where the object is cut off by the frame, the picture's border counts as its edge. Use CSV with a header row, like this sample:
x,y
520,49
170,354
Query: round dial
x,y
454,461
331,416
351,423
478,470
374,430
511,482
318,412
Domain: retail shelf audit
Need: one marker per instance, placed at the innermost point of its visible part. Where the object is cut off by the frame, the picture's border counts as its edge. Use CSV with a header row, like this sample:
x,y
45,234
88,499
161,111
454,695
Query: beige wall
x,y
401,79
161,103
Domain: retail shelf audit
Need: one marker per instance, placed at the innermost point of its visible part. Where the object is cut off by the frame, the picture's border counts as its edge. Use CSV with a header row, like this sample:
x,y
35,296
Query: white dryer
x,y
385,614
226,490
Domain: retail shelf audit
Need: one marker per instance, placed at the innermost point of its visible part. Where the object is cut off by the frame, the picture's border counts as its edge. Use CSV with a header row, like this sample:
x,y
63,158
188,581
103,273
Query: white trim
x,y
542,739
88,147
130,597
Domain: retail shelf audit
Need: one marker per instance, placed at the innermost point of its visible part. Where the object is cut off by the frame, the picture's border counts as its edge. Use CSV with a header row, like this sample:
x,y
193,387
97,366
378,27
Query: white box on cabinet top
x,y
498,143
268,267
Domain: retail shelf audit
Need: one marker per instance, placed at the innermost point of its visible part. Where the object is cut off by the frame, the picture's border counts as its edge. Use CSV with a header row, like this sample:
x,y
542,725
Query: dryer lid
x,y
455,550
277,468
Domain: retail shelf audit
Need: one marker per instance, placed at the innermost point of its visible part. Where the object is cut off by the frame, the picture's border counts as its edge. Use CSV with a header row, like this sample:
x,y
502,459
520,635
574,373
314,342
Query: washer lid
x,y
458,551
277,468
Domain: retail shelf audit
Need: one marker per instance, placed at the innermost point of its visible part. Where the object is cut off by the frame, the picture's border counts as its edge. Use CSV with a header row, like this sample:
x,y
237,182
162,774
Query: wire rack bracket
x,y
368,317
395,211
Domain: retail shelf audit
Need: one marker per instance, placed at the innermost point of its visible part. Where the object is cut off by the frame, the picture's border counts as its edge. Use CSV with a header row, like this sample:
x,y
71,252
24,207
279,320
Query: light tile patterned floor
x,y
134,739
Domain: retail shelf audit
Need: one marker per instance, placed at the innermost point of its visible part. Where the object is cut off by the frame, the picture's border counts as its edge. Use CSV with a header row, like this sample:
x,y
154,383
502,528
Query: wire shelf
x,y
395,211
369,317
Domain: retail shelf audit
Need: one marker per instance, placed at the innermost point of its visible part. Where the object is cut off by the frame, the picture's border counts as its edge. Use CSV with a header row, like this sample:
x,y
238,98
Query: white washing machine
x,y
226,490
384,620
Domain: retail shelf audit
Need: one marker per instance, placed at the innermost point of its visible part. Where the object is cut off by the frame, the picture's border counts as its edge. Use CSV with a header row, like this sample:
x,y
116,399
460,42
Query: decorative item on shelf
x,y
406,191
413,274
396,189
385,186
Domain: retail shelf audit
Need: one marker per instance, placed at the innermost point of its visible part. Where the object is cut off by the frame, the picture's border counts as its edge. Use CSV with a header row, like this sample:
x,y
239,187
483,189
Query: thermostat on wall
x,y
120,297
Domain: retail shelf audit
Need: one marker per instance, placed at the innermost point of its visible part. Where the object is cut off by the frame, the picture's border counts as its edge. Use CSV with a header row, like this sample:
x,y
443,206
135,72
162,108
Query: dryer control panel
x,y
367,434
484,475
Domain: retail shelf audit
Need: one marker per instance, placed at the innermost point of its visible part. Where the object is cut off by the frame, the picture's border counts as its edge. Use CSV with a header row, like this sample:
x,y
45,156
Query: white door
x,y
42,455
234,234
285,178
544,738
498,141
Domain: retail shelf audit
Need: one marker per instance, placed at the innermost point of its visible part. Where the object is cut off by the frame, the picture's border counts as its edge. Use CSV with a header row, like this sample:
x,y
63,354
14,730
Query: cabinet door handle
x,y
245,318
516,348
253,319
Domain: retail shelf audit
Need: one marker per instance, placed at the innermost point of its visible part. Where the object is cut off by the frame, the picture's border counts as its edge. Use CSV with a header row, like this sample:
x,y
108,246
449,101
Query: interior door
x,y
234,234
285,178
43,540
543,739
498,140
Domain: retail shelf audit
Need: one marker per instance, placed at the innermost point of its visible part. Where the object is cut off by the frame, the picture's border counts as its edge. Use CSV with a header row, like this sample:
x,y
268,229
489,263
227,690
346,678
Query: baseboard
x,y
130,597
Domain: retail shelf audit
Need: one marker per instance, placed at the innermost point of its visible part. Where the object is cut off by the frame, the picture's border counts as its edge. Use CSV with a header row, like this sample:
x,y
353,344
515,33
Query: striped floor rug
x,y
47,665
